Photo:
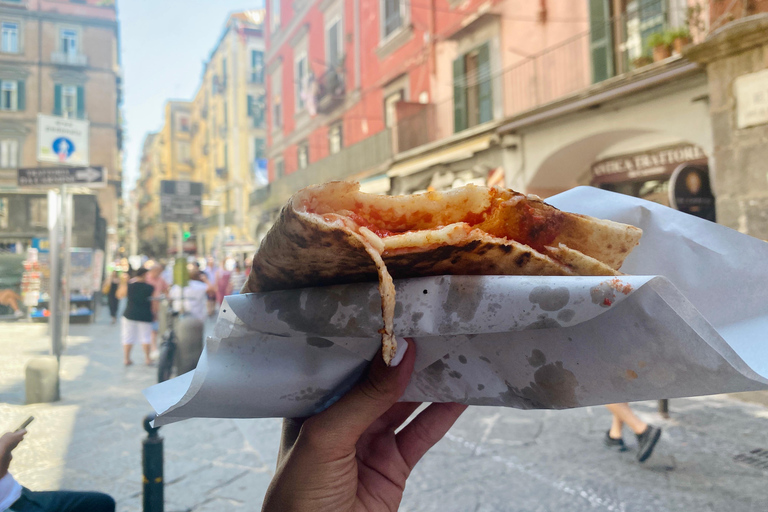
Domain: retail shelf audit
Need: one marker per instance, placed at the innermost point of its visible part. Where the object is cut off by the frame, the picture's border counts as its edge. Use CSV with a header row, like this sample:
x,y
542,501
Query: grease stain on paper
x,y
631,375
550,299
537,358
315,341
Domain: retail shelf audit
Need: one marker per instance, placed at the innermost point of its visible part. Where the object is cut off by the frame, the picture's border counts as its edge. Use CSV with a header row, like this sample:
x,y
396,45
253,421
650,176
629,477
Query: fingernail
x,y
402,346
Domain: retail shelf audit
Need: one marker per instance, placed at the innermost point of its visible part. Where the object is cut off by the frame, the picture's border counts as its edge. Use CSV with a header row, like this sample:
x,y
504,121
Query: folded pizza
x,y
335,234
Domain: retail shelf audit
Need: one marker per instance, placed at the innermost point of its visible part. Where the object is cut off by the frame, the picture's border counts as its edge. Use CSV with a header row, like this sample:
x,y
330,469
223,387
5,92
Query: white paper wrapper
x,y
690,319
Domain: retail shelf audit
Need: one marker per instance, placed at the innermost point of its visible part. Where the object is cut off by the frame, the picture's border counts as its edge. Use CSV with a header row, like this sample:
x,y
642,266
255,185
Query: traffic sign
x,y
181,201
92,177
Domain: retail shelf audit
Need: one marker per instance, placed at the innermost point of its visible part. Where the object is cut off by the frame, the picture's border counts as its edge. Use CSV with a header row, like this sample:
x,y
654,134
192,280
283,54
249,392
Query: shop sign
x,y
690,191
646,165
751,93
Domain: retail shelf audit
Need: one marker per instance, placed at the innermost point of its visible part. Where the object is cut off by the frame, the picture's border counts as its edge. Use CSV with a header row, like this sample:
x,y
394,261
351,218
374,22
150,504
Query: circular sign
x,y
63,148
690,192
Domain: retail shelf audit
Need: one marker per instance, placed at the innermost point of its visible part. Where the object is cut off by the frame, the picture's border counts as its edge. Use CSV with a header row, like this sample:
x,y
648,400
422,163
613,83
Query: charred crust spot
x,y
506,248
523,259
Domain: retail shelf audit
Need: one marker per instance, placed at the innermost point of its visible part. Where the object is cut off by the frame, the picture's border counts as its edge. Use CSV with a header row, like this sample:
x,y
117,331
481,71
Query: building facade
x,y
229,136
59,58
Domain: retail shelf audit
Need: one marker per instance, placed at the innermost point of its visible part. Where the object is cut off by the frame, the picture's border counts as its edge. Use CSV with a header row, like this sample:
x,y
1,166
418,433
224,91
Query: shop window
x,y
472,92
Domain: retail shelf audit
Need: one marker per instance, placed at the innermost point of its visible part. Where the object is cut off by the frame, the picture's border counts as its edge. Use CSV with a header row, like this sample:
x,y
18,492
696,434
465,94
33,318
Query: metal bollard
x,y
664,407
152,463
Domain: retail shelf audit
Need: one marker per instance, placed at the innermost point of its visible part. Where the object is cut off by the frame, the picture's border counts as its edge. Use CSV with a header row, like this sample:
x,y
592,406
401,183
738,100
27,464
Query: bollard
x,y
152,462
664,407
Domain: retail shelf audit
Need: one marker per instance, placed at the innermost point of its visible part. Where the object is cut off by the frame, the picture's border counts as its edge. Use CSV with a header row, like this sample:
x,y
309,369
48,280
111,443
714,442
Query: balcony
x,y
330,90
614,50
364,156
69,59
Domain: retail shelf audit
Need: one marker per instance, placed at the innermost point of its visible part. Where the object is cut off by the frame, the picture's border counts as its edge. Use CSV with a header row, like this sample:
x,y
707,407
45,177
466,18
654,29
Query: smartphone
x,y
26,422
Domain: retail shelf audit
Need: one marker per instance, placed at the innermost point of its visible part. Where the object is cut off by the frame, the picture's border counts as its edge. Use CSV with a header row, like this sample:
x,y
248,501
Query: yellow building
x,y
228,135
166,155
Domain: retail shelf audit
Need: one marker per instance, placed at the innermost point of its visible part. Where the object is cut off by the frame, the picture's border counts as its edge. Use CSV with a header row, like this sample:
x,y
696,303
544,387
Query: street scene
x,y
215,215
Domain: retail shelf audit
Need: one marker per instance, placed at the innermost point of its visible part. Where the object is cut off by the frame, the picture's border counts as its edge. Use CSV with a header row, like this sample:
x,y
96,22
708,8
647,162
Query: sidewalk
x,y
493,459
91,439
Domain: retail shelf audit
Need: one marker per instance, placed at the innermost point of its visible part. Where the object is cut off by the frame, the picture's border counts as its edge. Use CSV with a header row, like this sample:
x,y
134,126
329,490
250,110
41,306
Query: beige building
x,y
61,60
166,155
228,136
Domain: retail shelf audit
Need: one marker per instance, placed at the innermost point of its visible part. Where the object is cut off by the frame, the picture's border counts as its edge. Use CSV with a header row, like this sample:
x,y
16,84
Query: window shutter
x,y
459,95
57,100
80,102
601,40
21,91
484,89
250,105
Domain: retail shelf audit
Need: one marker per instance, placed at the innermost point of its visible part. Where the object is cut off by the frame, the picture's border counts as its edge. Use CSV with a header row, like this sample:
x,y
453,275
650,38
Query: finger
x,y
345,421
426,429
394,417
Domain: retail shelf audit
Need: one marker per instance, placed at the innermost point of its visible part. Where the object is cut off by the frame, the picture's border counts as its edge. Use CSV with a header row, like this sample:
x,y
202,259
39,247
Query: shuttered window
x,y
12,95
601,40
69,101
472,89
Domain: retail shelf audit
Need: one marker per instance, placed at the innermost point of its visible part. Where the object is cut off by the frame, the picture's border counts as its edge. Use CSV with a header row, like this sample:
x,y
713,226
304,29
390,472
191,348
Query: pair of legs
x,y
623,415
113,304
135,332
63,501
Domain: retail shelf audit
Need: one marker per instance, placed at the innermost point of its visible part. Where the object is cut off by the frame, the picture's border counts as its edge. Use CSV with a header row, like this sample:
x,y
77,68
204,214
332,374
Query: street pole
x,y
180,242
54,282
66,261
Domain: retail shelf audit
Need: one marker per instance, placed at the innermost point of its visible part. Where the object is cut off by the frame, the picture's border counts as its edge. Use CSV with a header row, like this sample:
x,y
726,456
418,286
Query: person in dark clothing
x,y
16,498
138,316
112,285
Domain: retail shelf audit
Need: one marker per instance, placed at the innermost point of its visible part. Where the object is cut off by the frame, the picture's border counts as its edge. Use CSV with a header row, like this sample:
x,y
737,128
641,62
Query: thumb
x,y
344,422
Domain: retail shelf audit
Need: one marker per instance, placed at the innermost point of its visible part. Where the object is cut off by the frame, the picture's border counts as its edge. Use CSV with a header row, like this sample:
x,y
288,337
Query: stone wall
x,y
740,173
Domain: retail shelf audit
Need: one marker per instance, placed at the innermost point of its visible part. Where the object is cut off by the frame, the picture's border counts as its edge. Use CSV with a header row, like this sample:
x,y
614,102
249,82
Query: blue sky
x,y
164,46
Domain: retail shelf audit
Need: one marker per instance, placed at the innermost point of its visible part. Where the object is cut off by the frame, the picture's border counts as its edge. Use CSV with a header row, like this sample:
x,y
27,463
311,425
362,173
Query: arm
x,y
350,457
8,442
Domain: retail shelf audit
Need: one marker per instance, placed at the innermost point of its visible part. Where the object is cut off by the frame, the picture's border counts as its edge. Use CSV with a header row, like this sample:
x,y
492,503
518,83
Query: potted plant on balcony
x,y
659,44
680,37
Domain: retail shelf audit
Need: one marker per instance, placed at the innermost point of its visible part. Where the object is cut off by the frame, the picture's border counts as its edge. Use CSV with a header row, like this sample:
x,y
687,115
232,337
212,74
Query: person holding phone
x,y
16,498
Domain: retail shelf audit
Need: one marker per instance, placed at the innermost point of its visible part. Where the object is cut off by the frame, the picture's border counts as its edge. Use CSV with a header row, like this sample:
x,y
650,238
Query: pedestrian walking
x,y
138,317
195,296
236,279
16,498
222,284
647,435
155,278
110,290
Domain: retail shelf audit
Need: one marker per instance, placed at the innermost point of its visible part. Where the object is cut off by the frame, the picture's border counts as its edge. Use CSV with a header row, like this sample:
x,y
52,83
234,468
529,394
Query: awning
x,y
455,153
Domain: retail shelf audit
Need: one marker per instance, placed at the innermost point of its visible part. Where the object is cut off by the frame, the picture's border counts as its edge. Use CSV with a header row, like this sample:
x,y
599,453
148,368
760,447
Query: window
x,y
12,95
279,168
256,110
259,149
10,37
277,98
182,123
257,67
392,18
67,101
301,79
303,154
335,138
38,212
9,153
390,104
472,95
274,20
334,44
184,152
69,44
224,73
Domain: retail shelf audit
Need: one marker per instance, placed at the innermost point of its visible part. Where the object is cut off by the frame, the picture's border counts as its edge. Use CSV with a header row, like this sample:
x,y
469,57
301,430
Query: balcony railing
x,y
69,59
330,90
553,74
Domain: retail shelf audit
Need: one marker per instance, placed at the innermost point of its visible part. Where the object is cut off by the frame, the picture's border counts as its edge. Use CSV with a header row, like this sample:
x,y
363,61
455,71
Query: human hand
x,y
8,442
349,458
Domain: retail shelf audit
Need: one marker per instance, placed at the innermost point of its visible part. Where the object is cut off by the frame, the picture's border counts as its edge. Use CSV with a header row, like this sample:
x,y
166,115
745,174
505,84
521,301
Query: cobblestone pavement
x,y
492,460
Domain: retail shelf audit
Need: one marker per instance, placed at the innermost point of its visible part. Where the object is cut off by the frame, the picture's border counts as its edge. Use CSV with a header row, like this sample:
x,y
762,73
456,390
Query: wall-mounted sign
x,y
646,164
690,192
751,93
63,141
